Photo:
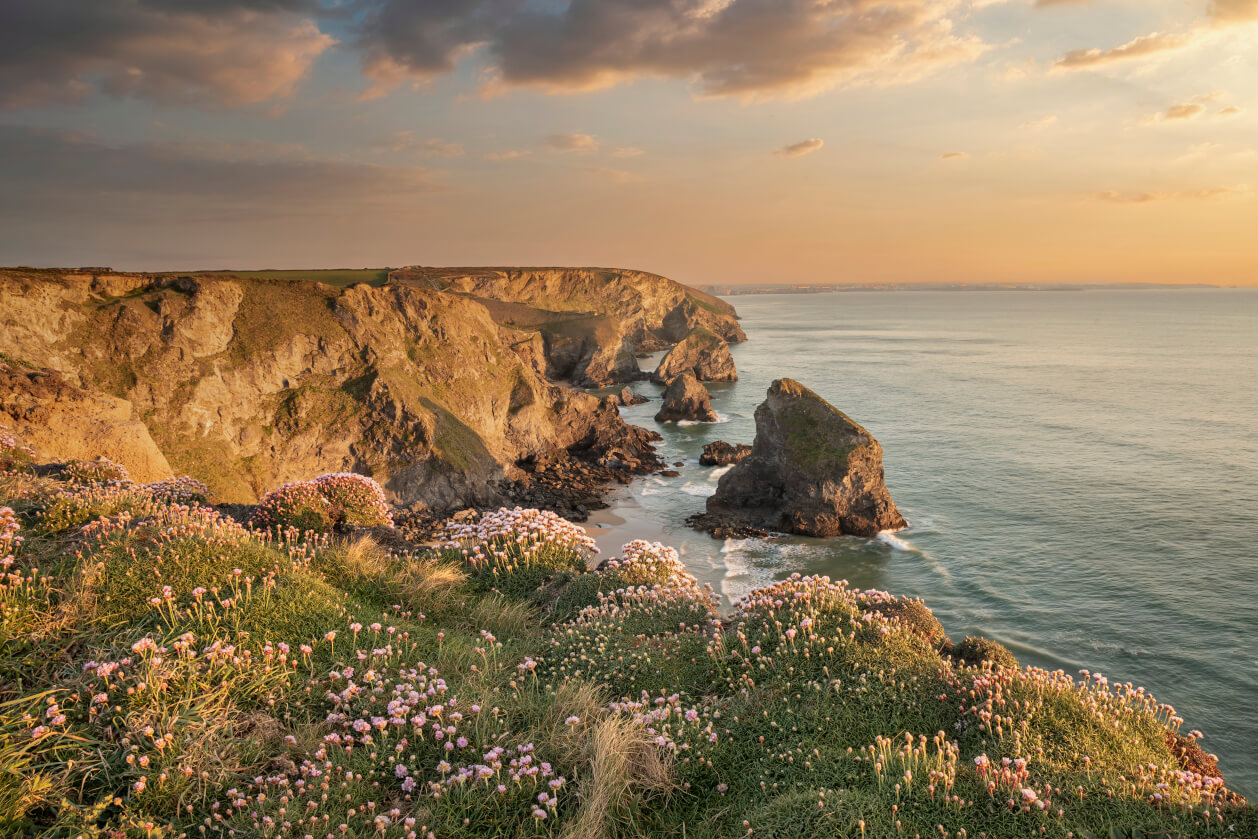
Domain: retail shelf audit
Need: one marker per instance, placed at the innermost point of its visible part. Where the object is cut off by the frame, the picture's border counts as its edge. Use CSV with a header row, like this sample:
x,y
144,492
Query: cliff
x,y
812,471
247,381
653,310
703,353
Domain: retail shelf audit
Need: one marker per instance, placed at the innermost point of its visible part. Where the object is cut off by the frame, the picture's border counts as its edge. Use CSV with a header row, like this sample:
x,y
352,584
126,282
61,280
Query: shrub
x,y
356,499
99,471
518,551
298,505
640,563
976,649
183,490
911,612
14,457
326,502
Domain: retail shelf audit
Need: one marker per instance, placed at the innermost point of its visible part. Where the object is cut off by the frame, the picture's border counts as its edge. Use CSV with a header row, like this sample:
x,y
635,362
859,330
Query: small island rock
x,y
812,471
701,352
721,453
686,399
628,396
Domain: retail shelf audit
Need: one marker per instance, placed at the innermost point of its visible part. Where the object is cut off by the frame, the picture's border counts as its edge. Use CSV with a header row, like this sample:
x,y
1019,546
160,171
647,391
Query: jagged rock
x,y
62,422
686,399
812,471
628,396
721,453
702,353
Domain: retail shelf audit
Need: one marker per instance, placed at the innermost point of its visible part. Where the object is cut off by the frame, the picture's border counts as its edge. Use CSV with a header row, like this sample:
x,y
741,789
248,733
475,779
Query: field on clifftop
x,y
167,671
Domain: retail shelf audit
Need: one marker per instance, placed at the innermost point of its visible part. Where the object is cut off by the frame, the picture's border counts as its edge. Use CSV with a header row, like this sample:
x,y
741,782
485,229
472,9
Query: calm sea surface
x,y
1079,471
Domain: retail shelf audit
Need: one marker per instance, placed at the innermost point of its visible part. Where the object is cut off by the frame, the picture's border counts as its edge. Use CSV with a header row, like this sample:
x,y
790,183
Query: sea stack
x,y
812,471
686,399
701,352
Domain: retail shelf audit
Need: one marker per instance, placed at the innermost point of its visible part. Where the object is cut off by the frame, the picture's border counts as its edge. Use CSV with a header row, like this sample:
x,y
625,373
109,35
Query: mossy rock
x,y
976,649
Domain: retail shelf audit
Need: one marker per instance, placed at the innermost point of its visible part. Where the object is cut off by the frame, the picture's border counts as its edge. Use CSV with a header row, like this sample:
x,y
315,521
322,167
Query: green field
x,y
340,277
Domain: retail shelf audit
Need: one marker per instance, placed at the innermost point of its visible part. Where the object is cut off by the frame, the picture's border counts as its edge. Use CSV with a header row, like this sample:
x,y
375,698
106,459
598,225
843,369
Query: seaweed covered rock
x,y
721,453
812,471
686,399
701,352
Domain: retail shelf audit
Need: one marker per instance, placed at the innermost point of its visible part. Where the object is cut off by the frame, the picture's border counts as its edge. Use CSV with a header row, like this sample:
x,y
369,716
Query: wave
x,y
704,490
720,418
715,474
888,537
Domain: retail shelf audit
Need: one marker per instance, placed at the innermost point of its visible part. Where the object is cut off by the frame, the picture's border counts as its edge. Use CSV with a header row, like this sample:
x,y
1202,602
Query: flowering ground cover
x,y
167,672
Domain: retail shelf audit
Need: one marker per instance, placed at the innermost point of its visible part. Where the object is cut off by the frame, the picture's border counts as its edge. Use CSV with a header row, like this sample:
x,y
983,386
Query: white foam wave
x,y
701,490
715,474
720,418
888,537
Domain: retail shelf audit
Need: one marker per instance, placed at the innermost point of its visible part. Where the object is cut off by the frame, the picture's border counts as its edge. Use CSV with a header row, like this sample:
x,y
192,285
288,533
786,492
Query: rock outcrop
x,y
686,399
248,382
654,311
701,352
812,471
628,396
721,453
51,415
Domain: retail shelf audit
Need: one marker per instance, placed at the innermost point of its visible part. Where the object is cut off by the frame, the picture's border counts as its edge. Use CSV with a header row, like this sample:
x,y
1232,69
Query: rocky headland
x,y
812,471
449,386
721,453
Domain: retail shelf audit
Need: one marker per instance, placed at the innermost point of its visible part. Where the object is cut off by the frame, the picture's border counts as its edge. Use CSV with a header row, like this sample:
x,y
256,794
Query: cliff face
x,y
812,470
653,311
249,382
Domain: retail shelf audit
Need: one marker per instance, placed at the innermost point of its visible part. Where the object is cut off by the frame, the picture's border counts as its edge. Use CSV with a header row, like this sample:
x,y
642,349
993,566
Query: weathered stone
x,y
812,471
721,453
702,353
686,399
628,396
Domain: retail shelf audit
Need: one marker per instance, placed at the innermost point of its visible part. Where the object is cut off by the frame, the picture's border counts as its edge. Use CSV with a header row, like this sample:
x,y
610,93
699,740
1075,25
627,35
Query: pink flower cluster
x,y
327,500
517,532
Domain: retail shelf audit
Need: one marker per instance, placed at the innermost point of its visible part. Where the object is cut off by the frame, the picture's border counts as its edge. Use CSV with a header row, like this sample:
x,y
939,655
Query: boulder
x,y
703,353
721,453
628,396
64,422
812,471
686,399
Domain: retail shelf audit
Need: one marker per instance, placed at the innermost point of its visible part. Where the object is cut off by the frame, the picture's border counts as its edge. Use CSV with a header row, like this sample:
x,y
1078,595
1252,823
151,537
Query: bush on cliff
x,y
976,650
323,503
168,673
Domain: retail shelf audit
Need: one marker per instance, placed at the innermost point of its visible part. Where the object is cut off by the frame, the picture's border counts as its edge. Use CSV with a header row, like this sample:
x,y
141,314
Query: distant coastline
x,y
827,288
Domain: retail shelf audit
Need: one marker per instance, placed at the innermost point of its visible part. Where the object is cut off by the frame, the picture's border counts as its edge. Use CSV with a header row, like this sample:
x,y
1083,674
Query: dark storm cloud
x,y
231,52
727,47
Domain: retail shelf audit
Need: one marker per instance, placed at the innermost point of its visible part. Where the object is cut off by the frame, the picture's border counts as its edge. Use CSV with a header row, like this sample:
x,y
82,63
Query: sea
x,y
1079,470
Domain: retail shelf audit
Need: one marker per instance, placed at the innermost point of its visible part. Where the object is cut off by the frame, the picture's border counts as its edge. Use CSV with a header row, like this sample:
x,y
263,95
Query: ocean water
x,y
1079,471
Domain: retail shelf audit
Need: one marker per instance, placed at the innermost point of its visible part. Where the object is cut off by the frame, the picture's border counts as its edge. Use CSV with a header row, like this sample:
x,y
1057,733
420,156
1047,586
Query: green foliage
x,y
976,649
167,670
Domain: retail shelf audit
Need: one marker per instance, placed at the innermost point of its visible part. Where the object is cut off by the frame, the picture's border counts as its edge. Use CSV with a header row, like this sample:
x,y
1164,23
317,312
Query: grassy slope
x,y
338,277
345,690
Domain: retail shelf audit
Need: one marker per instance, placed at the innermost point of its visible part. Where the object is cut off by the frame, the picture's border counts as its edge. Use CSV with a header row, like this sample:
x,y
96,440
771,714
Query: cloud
x,y
742,48
1215,193
235,52
616,176
801,148
406,141
1190,110
62,174
572,142
627,151
1116,197
1143,46
1234,11
1230,111
1042,122
509,154
954,155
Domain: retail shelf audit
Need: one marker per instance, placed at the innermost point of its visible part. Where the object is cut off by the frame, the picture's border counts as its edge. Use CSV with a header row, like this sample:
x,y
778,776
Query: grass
x,y
167,672
337,277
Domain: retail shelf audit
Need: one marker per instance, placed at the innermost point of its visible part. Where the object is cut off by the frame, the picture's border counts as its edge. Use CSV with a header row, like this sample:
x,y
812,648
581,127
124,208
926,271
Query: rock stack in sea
x,y
686,399
812,471
701,352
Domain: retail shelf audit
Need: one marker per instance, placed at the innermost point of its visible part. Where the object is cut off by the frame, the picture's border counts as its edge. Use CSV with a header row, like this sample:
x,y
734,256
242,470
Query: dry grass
x,y
623,764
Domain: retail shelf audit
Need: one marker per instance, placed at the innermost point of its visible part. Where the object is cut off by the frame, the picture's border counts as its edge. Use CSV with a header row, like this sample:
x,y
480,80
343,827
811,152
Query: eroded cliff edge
x,y
441,387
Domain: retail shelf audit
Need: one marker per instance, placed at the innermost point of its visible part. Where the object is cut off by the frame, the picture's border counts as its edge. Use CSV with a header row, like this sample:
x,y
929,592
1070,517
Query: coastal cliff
x,y
248,381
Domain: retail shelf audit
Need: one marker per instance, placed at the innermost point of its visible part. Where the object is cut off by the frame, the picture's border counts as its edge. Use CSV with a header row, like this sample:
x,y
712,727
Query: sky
x,y
713,141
